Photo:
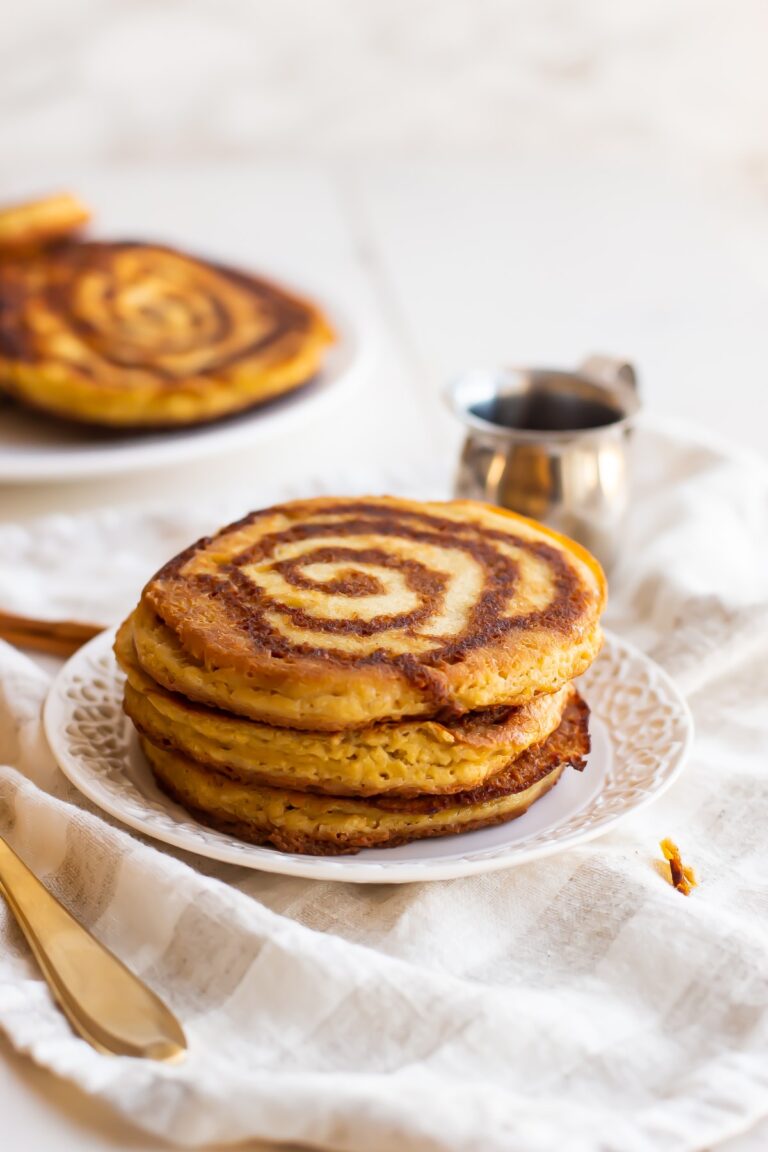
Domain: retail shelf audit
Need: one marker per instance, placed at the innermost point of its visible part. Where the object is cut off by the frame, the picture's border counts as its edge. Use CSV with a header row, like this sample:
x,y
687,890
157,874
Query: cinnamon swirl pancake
x,y
332,614
334,674
403,758
326,825
141,335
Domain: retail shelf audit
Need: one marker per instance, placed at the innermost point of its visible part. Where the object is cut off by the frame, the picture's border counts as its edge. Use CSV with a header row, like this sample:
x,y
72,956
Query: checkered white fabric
x,y
578,1002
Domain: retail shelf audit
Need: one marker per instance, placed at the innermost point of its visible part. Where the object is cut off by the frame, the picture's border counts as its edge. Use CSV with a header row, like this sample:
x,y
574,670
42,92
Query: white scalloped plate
x,y
36,448
641,730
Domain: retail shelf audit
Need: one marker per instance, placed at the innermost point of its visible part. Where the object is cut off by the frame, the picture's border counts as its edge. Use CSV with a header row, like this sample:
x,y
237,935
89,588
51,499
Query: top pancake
x,y
141,335
333,613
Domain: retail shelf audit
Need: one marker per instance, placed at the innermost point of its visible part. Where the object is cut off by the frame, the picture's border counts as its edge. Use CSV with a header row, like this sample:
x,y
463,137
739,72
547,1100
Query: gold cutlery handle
x,y
109,1006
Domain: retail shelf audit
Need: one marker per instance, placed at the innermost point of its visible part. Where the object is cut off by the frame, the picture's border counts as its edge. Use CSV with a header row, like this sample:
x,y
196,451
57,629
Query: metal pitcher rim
x,y
455,396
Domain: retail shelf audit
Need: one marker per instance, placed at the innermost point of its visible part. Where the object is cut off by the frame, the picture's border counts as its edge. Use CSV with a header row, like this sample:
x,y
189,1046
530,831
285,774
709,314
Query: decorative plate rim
x,y
347,361
646,757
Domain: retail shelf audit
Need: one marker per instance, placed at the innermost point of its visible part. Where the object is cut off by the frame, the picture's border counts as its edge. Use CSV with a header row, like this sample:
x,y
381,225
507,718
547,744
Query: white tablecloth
x,y
579,1002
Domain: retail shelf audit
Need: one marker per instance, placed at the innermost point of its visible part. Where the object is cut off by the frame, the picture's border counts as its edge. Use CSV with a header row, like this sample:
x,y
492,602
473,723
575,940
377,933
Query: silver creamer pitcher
x,y
552,445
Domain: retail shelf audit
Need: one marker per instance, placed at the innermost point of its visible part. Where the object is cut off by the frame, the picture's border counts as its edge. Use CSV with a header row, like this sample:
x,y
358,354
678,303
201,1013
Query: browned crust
x,y
78,343
487,623
482,728
111,432
568,745
490,740
240,607
341,846
26,227
491,734
53,275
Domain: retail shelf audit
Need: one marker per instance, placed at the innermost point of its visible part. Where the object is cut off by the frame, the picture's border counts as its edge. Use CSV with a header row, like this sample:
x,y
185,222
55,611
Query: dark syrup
x,y
547,412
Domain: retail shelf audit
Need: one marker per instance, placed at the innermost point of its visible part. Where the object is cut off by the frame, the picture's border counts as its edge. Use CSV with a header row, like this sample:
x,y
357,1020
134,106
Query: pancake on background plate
x,y
136,335
332,674
24,227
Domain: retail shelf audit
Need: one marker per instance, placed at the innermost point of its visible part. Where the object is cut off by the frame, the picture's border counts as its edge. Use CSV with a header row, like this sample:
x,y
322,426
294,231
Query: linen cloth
x,y
579,1002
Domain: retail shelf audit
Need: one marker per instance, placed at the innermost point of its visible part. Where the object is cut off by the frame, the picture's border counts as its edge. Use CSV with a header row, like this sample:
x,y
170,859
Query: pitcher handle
x,y
609,369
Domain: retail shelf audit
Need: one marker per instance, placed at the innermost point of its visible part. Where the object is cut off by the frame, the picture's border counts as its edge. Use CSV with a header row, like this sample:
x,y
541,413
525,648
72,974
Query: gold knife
x,y
103,1001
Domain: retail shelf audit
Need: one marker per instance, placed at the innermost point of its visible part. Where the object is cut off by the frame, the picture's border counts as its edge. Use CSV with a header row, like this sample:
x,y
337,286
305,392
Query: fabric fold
x,y
576,1002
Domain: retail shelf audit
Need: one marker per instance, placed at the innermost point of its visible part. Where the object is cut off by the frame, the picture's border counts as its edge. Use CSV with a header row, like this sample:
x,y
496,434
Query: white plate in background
x,y
36,448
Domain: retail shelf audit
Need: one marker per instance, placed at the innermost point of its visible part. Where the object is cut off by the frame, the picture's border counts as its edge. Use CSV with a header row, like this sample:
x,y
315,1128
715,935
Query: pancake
x,y
137,335
331,614
24,227
324,825
400,758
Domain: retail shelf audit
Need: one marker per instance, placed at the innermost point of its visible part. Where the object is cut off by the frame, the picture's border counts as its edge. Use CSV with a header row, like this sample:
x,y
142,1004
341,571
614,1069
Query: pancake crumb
x,y
679,875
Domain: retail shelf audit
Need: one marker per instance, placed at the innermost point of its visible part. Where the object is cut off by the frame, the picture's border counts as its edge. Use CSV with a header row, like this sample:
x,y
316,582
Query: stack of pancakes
x,y
334,674
132,335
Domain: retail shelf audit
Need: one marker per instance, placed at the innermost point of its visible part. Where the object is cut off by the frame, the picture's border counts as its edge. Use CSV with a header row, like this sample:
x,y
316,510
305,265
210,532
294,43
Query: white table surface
x,y
450,265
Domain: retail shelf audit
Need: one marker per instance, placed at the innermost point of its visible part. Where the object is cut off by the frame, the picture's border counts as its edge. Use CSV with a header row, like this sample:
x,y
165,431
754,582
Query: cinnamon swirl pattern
x,y
139,335
331,614
397,666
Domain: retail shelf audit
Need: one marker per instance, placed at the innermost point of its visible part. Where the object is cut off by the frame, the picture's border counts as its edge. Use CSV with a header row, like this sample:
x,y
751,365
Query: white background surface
x,y
486,182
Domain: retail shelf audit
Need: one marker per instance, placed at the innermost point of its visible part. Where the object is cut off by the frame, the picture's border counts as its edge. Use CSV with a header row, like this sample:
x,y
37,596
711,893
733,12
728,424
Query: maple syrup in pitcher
x,y
552,445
